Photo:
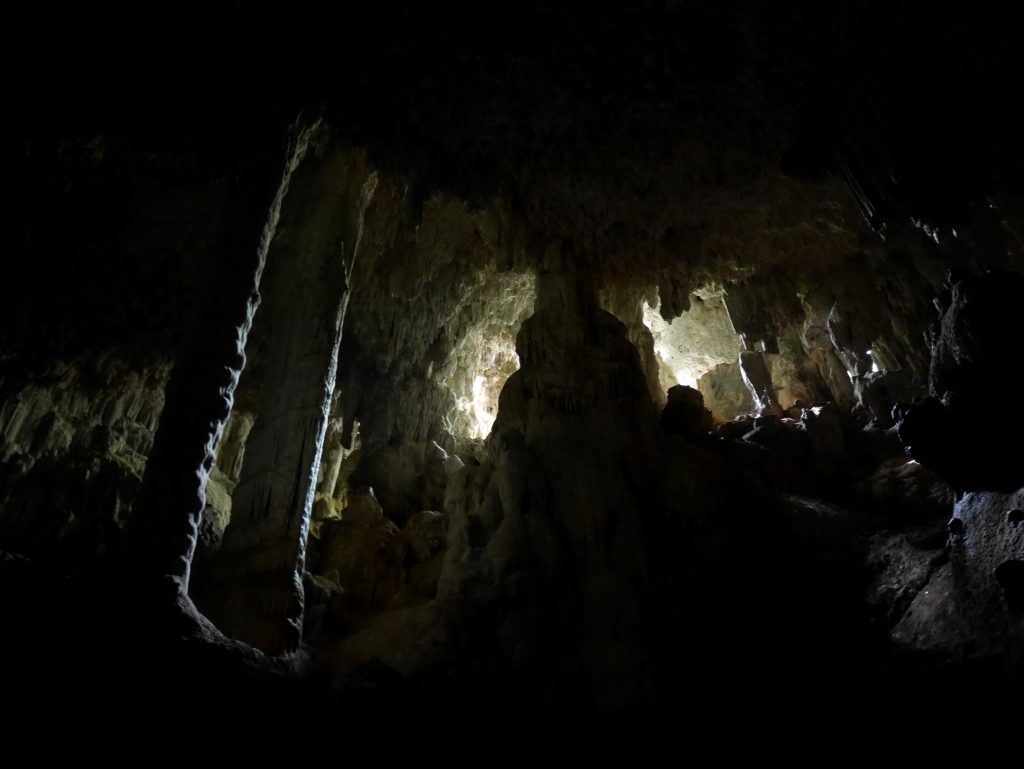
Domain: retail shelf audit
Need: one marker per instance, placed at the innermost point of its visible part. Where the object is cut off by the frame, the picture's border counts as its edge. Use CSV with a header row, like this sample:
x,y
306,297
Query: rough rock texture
x,y
822,167
795,377
308,284
905,492
694,342
986,551
430,338
443,268
725,393
759,383
822,353
933,622
878,391
902,563
952,431
565,495
76,438
758,310
223,478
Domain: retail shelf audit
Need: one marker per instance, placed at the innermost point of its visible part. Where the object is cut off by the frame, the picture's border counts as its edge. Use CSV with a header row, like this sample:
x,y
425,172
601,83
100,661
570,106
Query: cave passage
x,y
654,358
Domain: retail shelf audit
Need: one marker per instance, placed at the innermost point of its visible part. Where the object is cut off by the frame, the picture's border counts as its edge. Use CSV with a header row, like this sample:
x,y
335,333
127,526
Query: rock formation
x,y
656,355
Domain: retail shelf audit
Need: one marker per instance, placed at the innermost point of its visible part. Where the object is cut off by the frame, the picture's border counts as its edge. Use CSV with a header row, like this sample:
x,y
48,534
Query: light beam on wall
x,y
693,343
485,356
485,407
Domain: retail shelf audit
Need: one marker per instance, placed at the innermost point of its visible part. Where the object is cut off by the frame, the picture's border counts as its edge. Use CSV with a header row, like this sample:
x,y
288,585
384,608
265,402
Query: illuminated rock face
x,y
428,342
692,344
725,393
75,443
308,284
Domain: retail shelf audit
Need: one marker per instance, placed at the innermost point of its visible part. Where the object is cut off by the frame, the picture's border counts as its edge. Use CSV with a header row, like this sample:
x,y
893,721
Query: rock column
x,y
200,392
257,591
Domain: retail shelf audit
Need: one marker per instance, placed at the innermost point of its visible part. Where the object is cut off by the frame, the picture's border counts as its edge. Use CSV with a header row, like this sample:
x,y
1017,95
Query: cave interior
x,y
411,361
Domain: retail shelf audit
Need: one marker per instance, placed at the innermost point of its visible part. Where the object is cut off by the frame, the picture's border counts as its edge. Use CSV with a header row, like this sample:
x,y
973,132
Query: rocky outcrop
x,y
430,338
759,383
952,432
307,286
794,375
75,441
822,353
725,393
560,541
879,391
975,600
911,589
986,547
227,469
553,528
632,305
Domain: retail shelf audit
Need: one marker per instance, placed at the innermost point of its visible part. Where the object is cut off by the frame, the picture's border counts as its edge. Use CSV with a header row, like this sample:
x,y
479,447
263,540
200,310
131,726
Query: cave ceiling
x,y
725,135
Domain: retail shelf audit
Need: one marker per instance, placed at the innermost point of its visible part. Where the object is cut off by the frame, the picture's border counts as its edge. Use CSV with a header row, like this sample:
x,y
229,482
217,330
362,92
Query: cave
x,y
450,364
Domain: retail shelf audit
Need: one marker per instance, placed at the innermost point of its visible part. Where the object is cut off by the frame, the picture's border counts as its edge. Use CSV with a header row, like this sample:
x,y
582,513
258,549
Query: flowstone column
x,y
256,593
200,392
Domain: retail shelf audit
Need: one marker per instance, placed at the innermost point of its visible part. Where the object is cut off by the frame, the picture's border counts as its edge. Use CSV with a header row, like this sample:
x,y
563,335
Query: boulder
x,y
685,415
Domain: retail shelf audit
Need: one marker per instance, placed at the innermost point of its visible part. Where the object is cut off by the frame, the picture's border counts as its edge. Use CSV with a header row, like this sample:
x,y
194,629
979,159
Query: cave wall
x,y
439,307
112,257
437,284
76,439
837,205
